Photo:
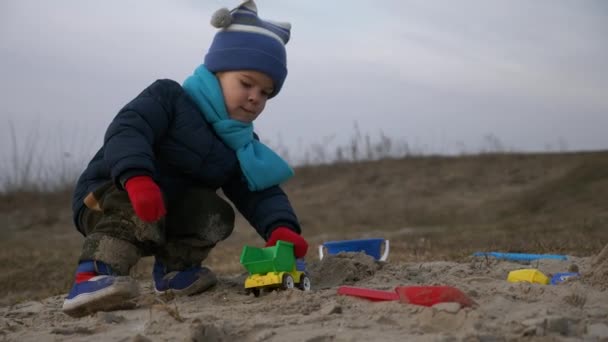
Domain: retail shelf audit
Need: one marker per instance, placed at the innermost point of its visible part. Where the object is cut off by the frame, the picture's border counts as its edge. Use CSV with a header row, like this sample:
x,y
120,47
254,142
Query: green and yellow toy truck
x,y
273,268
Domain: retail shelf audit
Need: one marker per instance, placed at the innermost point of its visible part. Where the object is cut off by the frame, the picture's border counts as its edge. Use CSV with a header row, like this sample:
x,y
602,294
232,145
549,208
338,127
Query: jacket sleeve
x,y
130,139
265,210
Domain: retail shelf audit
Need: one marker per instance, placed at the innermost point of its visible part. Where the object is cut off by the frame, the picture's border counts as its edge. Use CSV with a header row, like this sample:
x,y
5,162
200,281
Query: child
x,y
151,188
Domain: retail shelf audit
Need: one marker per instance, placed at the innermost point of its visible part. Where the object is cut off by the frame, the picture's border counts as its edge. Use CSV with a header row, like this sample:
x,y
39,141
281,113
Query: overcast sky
x,y
439,75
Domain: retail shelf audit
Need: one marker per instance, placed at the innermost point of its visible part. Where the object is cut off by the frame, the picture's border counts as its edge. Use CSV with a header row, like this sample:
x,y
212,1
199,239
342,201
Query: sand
x,y
576,309
599,273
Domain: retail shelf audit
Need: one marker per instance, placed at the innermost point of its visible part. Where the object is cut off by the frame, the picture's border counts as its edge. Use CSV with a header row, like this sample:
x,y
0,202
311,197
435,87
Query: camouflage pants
x,y
194,224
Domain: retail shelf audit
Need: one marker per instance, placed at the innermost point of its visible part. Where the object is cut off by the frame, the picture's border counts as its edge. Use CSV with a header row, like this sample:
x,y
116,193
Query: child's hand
x,y
146,198
300,246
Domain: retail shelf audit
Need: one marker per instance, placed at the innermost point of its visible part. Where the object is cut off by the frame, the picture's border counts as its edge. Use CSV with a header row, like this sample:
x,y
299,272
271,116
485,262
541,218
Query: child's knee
x,y
217,223
201,213
220,227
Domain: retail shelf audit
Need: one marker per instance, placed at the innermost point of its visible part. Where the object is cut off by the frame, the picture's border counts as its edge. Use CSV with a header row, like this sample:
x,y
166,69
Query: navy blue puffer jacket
x,y
161,133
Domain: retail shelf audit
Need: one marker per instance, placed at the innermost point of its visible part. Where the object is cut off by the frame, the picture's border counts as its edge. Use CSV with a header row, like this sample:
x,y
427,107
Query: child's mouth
x,y
248,111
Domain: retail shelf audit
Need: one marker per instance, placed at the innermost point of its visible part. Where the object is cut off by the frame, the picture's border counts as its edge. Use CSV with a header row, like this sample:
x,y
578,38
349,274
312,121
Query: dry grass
x,y
429,207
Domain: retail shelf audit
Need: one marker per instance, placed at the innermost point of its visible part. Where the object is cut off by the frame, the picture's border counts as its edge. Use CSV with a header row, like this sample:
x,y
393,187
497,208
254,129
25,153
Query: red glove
x,y
146,198
300,246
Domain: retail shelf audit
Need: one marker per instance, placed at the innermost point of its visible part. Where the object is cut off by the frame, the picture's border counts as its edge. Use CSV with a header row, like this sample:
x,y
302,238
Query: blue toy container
x,y
372,247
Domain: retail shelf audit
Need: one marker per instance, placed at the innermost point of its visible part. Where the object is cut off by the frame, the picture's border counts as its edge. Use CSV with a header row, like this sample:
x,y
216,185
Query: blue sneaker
x,y
96,289
188,282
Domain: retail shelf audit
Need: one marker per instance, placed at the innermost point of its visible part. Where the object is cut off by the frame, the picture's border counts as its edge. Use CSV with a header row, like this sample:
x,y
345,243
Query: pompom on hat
x,y
246,42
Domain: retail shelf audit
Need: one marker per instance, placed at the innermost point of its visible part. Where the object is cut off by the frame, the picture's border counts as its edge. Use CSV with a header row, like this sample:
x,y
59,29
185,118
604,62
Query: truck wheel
x,y
288,282
304,284
256,292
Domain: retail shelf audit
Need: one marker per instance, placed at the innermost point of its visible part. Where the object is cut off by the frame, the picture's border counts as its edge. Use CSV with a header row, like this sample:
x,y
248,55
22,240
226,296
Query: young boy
x,y
151,188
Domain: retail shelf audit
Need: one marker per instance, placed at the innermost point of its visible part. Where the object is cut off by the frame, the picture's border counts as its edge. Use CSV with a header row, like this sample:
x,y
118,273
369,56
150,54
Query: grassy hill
x,y
429,207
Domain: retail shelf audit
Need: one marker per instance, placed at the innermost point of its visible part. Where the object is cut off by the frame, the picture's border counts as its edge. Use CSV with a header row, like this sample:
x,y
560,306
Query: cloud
x,y
415,69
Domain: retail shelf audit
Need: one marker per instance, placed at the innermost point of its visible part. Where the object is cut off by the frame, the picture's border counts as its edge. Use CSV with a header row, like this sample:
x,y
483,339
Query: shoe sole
x,y
201,285
118,296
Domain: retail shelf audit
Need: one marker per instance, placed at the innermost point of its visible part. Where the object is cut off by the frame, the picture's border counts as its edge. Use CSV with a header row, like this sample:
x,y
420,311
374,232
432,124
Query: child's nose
x,y
253,98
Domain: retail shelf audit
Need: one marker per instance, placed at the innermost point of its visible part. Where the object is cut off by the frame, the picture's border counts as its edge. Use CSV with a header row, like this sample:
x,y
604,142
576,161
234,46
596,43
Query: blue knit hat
x,y
246,42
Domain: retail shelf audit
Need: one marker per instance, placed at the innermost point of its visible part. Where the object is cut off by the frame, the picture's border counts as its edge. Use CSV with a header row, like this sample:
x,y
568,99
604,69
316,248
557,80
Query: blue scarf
x,y
261,166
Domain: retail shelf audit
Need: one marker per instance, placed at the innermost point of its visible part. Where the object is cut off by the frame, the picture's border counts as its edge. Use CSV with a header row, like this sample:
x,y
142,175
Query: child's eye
x,y
245,84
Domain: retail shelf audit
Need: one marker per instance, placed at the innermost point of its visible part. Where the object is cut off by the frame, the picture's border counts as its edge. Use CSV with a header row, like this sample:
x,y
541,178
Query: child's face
x,y
245,93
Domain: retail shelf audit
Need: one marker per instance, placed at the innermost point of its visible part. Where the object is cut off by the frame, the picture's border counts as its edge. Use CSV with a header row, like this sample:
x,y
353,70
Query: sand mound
x,y
342,268
598,277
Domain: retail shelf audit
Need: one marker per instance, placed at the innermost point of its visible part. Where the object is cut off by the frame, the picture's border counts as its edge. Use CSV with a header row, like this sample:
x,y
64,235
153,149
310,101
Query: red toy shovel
x,y
418,295
369,294
431,295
